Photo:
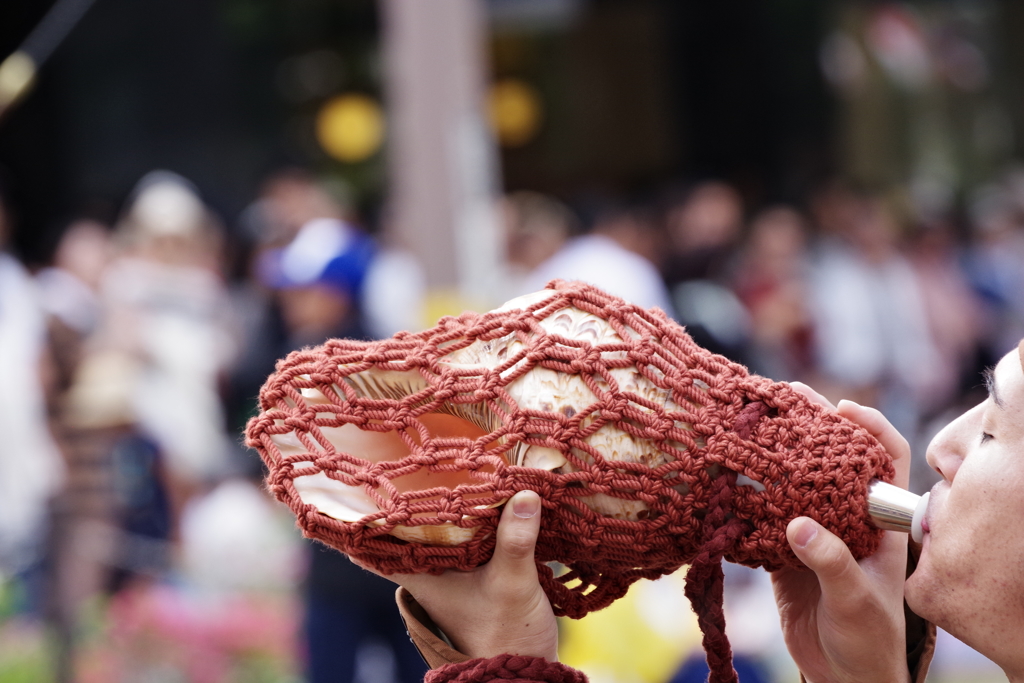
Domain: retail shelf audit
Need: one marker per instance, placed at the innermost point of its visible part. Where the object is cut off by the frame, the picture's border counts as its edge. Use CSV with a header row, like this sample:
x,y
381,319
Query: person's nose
x,y
949,447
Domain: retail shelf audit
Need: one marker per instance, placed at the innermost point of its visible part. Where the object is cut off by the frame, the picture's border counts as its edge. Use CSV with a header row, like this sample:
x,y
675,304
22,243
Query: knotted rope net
x,y
648,452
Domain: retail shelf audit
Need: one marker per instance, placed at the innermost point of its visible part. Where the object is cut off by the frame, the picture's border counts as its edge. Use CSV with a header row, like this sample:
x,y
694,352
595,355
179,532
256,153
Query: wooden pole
x,y
441,155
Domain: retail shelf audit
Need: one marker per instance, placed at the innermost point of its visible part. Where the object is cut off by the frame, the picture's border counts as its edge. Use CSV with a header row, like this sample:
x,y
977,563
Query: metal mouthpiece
x,y
896,509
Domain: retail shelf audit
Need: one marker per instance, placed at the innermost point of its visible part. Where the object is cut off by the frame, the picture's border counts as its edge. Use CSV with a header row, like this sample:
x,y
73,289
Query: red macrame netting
x,y
721,422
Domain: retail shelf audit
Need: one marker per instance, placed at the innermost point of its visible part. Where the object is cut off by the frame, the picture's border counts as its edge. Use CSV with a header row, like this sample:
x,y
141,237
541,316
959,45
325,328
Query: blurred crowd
x,y
852,291
131,362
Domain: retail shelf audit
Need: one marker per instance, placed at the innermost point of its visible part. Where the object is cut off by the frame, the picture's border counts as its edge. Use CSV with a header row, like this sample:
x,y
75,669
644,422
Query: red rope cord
x,y
505,668
705,580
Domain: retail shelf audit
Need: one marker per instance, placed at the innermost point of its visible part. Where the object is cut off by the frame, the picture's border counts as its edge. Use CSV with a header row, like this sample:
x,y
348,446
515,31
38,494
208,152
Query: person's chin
x,y
918,590
911,590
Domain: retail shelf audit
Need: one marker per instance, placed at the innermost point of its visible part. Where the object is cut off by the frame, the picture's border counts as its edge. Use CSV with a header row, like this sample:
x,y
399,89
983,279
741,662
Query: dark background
x,y
637,92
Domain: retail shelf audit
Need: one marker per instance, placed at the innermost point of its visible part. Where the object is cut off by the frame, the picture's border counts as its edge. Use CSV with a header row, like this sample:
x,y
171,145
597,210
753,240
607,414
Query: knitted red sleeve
x,y
510,668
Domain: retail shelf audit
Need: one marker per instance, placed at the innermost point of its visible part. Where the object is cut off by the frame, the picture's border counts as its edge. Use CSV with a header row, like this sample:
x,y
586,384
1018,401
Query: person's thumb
x,y
827,556
517,532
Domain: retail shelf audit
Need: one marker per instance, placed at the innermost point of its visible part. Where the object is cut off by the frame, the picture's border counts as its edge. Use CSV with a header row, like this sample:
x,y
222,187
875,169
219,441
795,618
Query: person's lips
x,y
926,521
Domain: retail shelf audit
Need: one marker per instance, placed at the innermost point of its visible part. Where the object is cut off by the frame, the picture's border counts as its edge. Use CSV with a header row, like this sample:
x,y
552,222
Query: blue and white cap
x,y
325,252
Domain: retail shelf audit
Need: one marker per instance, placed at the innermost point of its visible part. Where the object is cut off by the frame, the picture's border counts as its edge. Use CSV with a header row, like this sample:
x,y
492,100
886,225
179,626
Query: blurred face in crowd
x,y
835,210
84,251
313,313
635,231
711,217
294,200
876,230
970,579
995,224
778,241
536,227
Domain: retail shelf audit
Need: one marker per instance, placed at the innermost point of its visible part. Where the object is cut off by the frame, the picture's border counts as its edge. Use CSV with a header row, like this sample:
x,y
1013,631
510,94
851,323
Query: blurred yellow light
x,y
17,74
516,111
350,127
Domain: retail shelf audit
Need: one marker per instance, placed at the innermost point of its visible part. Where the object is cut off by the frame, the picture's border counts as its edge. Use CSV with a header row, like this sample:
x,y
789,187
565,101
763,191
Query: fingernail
x,y
526,506
805,534
846,400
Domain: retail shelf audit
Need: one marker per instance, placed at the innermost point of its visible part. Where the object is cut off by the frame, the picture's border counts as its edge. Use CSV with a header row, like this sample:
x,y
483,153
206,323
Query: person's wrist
x,y
487,646
898,673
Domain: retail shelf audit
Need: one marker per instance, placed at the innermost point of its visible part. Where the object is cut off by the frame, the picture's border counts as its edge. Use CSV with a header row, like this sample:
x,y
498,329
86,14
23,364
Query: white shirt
x,y
602,262
31,468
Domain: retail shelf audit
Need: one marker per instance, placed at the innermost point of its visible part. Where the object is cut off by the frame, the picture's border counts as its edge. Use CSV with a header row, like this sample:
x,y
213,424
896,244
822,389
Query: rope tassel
x,y
705,580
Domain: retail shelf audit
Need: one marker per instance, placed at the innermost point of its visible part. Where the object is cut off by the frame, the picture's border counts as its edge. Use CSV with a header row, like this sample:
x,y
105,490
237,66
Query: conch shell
x,y
648,452
539,389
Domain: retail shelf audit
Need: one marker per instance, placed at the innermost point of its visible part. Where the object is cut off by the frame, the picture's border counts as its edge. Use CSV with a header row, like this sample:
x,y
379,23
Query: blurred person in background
x,y
141,420
952,309
631,221
872,339
318,281
536,228
956,323
771,281
290,200
31,468
167,318
703,228
540,229
155,513
993,265
391,291
69,291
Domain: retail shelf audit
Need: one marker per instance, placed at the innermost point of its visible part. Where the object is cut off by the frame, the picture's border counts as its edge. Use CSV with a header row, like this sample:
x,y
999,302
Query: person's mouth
x,y
926,520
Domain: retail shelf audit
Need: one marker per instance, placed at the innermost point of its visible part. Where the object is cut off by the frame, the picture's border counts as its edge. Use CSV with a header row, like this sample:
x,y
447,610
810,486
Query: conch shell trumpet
x,y
646,449
540,389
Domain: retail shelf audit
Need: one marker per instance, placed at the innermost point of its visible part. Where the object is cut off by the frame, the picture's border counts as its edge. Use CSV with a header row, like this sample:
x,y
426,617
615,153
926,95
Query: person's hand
x,y
842,619
499,607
